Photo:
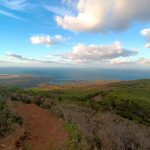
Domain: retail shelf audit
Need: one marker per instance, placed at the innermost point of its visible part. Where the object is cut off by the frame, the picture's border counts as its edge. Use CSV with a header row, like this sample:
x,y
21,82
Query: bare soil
x,y
43,130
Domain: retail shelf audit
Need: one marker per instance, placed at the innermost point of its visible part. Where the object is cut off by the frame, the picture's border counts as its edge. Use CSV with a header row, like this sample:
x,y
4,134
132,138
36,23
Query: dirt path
x,y
44,132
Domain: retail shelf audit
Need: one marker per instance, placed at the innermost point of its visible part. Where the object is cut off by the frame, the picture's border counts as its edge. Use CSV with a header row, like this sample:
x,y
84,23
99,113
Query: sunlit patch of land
x,y
82,85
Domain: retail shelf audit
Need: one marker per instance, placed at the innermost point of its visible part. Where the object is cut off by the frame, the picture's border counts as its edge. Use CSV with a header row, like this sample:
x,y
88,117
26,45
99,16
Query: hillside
x,y
109,115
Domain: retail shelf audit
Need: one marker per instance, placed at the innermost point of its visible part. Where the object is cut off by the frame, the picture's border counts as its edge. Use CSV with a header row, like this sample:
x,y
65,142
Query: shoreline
x,y
14,76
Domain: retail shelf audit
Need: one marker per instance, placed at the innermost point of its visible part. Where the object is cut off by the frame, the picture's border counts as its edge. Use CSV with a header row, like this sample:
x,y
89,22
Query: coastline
x,y
14,76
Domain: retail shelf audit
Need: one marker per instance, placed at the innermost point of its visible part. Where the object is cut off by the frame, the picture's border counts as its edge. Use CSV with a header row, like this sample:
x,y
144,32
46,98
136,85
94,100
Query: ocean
x,y
83,74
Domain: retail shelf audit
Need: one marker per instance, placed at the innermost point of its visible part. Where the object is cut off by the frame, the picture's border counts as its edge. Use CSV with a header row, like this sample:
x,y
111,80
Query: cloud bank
x,y
83,54
105,15
144,61
127,61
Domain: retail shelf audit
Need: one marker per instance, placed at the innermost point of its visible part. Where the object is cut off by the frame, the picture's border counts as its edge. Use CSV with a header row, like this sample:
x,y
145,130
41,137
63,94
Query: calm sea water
x,y
81,74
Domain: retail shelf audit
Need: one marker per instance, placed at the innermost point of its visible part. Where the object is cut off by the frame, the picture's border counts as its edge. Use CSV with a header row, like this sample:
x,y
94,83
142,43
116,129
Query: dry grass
x,y
116,133
14,140
106,131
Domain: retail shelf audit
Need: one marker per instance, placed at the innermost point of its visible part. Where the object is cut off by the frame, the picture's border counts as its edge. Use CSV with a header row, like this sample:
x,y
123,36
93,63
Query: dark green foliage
x,y
75,94
17,119
7,118
4,118
39,101
131,100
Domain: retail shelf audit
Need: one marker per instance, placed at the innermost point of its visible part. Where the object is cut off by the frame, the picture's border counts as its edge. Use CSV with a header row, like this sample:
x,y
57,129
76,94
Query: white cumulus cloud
x,y
96,53
46,40
105,15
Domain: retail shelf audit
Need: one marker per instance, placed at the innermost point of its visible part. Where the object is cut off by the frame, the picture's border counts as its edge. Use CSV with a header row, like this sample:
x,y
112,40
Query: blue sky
x,y
75,33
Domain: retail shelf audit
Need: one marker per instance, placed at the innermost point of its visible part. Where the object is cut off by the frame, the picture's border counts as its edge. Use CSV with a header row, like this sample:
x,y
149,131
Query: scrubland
x,y
108,116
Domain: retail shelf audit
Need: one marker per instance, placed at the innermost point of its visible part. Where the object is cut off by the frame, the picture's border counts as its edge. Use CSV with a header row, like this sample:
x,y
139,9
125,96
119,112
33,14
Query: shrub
x,y
7,118
17,119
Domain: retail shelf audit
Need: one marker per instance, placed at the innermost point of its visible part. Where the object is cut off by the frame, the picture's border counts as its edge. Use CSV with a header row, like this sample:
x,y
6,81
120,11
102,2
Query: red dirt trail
x,y
43,131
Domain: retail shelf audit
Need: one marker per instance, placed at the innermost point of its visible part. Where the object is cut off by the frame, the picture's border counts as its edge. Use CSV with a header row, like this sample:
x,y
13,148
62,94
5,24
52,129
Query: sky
x,y
75,33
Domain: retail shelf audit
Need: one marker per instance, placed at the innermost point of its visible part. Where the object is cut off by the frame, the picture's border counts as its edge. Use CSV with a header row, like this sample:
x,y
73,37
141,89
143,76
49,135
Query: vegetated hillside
x,y
110,116
130,99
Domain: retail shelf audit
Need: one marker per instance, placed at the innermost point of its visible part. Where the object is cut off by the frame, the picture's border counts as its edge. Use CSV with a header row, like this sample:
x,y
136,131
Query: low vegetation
x,y
116,117
130,100
7,118
76,139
